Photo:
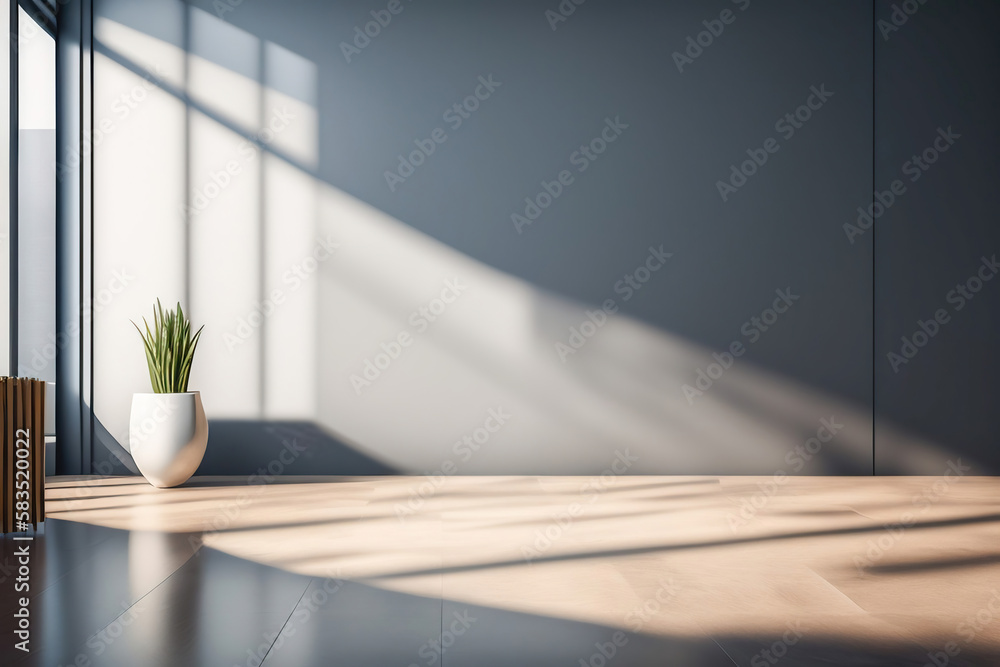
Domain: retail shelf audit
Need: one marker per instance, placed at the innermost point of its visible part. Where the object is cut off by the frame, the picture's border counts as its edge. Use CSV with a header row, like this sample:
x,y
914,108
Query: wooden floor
x,y
517,571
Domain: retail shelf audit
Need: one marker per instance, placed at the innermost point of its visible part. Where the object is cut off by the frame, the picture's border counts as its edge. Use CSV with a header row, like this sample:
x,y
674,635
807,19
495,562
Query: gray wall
x,y
940,69
656,184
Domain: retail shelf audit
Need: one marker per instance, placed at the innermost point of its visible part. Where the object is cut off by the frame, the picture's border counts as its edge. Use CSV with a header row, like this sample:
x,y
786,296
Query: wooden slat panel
x,y
32,421
27,421
4,428
18,425
22,406
38,484
8,456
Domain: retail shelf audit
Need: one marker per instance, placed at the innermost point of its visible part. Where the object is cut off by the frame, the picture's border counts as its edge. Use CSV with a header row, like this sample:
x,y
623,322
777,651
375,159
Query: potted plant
x,y
168,430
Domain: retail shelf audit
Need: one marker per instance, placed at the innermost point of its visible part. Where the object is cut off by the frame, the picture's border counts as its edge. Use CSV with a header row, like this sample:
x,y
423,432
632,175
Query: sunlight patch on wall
x,y
139,238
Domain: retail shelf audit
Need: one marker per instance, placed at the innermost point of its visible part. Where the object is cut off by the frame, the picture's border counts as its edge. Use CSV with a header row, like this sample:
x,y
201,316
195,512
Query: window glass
x,y
36,316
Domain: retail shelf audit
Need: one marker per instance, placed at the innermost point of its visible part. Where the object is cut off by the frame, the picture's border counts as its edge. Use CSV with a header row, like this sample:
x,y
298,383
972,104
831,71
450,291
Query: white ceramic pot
x,y
167,436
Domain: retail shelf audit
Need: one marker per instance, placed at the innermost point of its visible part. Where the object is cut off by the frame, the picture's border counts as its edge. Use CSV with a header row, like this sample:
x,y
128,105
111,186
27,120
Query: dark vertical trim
x,y
72,310
12,220
874,232
80,313
87,232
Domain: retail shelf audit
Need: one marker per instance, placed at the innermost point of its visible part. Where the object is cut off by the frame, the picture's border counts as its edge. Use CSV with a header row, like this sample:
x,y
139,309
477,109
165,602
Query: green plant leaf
x,y
169,348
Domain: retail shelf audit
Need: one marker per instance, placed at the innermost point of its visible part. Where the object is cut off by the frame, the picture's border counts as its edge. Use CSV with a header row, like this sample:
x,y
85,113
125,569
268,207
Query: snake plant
x,y
169,349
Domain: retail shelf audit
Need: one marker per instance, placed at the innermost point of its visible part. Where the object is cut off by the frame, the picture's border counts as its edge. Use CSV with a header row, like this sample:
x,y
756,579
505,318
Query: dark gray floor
x,y
106,597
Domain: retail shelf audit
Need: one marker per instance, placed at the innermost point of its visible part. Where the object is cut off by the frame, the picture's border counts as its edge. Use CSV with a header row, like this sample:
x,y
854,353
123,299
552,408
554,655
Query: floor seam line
x,y
295,606
141,598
